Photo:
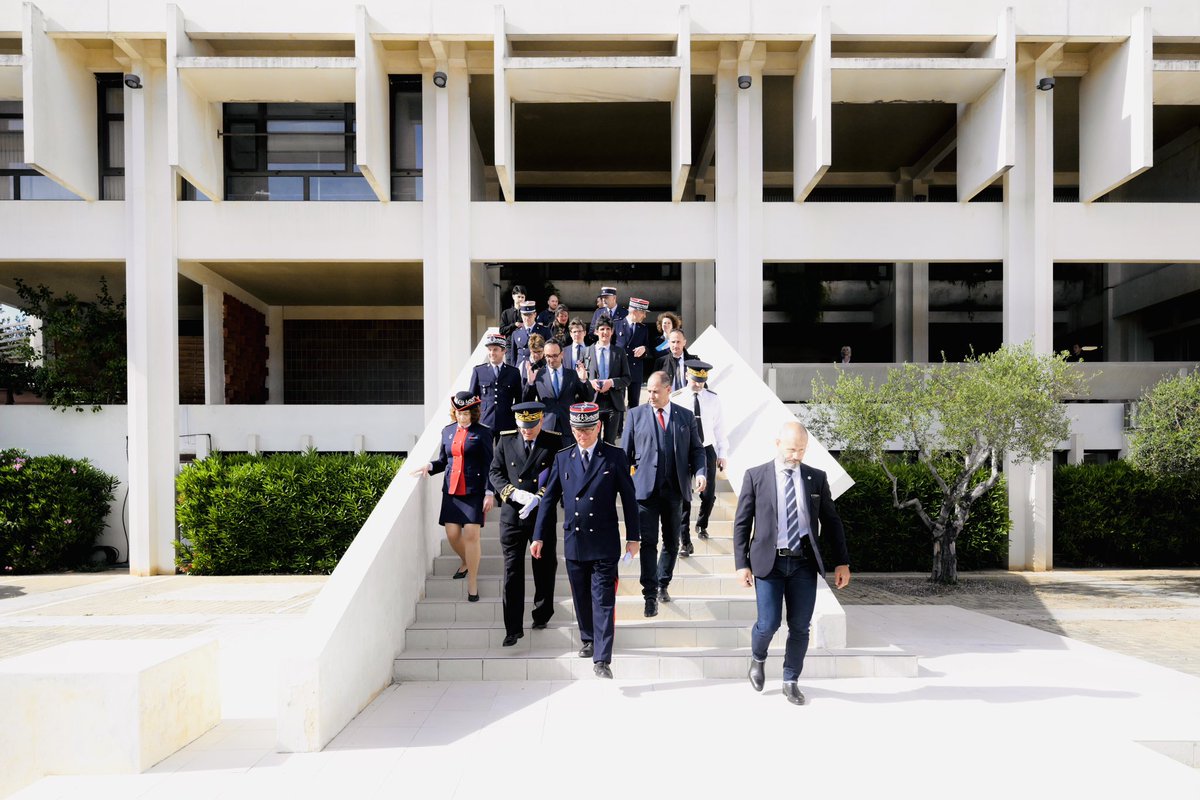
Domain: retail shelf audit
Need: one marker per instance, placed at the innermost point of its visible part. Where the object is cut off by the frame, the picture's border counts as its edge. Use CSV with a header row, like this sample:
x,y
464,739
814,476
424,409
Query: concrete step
x,y
512,663
443,588
629,607
711,565
640,633
716,544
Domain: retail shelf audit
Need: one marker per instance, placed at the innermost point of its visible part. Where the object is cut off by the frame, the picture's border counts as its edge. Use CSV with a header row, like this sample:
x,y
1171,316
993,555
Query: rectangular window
x,y
18,181
110,110
291,151
407,147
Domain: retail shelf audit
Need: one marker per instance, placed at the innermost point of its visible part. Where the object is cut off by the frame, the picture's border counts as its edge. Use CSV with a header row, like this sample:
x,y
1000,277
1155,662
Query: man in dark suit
x,y
498,385
520,468
510,318
777,549
588,478
546,318
664,448
557,388
631,335
518,342
608,307
607,372
674,361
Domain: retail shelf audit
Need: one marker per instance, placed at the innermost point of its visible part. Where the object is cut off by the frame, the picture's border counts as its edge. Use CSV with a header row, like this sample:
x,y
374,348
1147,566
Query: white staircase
x,y
704,632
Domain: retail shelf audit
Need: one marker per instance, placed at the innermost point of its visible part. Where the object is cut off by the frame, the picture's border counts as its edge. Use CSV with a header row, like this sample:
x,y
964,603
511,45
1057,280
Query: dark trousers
x,y
664,507
634,390
613,422
514,542
793,580
594,593
707,498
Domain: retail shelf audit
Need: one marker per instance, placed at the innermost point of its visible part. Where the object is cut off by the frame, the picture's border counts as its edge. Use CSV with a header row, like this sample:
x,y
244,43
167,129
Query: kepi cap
x,y
697,369
495,340
585,415
528,414
638,304
608,291
463,401
529,307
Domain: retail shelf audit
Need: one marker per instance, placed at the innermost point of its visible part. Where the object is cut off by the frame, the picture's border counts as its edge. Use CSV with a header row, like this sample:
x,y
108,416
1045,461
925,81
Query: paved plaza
x,y
1100,673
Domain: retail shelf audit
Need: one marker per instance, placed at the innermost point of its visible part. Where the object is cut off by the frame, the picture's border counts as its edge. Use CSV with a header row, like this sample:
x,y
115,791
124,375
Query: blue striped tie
x,y
793,512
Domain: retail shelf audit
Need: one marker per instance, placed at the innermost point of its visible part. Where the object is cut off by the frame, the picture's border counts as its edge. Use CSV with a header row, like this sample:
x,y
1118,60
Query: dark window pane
x,y
116,145
330,188
406,188
243,155
114,188
12,144
242,188
406,132
6,187
114,100
309,145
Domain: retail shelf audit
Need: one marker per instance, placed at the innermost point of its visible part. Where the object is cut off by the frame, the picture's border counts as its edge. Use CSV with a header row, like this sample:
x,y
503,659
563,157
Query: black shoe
x,y
539,626
601,669
472,598
702,533
663,595
686,550
651,607
793,694
462,573
757,674
512,638
587,650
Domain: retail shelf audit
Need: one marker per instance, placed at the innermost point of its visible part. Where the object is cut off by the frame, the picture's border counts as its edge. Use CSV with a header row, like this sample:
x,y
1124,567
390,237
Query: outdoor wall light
x,y
1045,84
133,81
439,80
744,81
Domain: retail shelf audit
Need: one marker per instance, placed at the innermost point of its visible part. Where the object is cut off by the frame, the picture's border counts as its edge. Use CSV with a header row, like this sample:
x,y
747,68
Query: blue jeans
x,y
795,580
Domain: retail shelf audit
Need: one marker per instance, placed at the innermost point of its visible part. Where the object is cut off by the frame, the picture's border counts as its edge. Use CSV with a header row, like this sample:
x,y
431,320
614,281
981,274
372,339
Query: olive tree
x,y
959,419
1165,439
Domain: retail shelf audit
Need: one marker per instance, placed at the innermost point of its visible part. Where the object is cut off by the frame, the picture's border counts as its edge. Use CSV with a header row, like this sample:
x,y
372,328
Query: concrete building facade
x,y
315,210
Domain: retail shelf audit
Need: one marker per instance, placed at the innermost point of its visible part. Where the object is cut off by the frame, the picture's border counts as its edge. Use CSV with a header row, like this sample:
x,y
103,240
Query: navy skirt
x,y
461,509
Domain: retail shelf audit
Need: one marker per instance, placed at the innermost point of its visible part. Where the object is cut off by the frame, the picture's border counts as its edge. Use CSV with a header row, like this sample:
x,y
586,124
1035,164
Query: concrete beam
x,y
372,109
812,120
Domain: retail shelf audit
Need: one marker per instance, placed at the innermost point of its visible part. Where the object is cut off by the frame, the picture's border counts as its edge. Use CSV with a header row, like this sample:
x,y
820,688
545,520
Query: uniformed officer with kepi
x,y
520,469
518,342
588,477
497,385
710,424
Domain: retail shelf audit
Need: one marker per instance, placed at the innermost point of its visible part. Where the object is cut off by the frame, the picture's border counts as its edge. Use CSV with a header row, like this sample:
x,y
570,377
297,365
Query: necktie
x,y
699,424
793,512
578,353
603,365
554,382
587,460
678,383
528,447
662,421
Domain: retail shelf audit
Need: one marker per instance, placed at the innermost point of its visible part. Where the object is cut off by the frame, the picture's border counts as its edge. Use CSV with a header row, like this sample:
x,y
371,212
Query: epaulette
x,y
506,433
679,391
710,391
552,433
610,444
568,447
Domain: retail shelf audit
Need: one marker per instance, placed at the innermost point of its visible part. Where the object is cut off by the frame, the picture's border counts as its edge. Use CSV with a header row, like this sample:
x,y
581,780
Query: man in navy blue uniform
x,y
518,342
609,307
588,477
664,448
498,385
558,388
631,335
785,519
520,468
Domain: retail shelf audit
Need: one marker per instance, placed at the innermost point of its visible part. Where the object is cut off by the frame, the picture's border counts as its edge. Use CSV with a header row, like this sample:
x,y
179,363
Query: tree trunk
x,y
945,560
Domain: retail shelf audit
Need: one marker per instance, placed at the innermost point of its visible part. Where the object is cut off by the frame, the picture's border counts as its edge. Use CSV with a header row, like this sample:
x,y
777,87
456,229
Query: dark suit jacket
x,y
512,469
756,524
498,396
510,320
618,373
620,312
477,455
558,409
629,336
666,363
640,443
590,525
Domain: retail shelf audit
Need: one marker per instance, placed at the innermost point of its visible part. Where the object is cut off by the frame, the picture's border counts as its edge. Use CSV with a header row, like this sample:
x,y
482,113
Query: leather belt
x,y
783,551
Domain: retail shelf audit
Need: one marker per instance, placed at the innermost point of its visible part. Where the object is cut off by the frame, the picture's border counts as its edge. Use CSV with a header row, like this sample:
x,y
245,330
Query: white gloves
x,y
521,496
529,506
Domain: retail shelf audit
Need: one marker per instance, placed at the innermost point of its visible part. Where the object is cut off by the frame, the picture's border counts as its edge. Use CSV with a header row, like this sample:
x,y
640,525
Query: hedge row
x,y
1113,515
52,510
279,514
883,538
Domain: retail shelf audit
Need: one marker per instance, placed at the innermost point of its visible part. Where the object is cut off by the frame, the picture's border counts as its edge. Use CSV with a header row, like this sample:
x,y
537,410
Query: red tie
x,y
662,422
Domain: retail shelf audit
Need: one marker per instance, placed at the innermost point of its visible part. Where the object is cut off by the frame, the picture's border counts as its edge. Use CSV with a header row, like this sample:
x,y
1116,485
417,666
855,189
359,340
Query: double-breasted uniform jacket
x,y
497,393
571,390
756,523
477,457
513,469
589,500
620,312
629,336
618,373
640,443
518,343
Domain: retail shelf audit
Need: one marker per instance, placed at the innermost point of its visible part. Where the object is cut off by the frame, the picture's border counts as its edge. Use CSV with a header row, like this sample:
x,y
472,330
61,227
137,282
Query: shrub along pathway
x,y
1153,615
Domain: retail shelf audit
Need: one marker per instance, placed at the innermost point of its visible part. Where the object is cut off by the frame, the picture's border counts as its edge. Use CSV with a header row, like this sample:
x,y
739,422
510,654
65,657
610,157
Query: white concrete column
x,y
920,311
447,268
1029,298
214,346
275,355
739,276
902,312
152,326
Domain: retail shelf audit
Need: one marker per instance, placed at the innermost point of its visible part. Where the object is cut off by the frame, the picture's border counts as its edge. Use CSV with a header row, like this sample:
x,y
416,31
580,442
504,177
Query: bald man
x,y
784,515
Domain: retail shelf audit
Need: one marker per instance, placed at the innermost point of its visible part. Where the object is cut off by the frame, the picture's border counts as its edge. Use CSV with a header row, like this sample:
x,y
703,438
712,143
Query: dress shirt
x,y
715,435
578,353
602,362
781,503
666,414
586,454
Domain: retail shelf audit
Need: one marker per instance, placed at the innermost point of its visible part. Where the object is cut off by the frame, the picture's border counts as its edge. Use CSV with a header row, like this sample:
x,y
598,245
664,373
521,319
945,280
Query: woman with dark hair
x,y
465,456
560,330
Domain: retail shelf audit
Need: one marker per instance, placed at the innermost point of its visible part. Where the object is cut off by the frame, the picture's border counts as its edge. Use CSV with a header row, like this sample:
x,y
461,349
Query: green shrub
x,y
883,538
1113,515
52,510
279,514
